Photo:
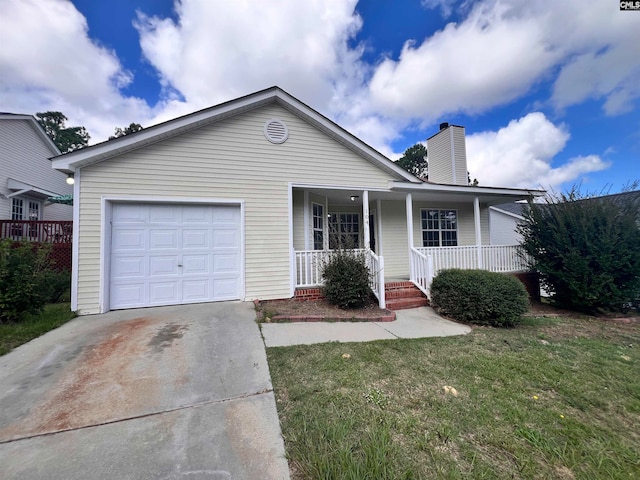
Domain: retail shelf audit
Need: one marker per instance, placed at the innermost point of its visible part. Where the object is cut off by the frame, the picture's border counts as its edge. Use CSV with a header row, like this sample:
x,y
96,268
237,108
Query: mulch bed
x,y
294,310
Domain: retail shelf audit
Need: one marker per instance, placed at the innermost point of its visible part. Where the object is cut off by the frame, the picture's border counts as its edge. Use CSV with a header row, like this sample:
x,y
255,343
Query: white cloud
x,y
217,50
48,62
522,153
502,49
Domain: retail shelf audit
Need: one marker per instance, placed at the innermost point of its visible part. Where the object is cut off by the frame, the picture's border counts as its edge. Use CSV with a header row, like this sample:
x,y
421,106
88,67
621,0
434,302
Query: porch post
x,y
409,208
476,217
307,235
365,223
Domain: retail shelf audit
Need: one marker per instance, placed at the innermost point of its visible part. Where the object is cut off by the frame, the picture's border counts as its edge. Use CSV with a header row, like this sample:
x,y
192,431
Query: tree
x,y
586,249
67,139
414,160
132,128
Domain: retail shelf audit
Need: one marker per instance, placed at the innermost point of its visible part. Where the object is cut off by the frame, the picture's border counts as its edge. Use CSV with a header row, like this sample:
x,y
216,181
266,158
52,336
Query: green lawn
x,y
554,398
15,334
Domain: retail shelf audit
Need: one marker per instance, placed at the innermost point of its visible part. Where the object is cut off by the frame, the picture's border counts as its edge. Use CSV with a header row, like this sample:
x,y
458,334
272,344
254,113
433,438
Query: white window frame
x,y
318,222
442,242
338,223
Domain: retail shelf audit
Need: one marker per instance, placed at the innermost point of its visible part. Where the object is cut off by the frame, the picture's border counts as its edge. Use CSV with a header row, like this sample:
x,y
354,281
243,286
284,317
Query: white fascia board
x,y
499,210
338,187
433,187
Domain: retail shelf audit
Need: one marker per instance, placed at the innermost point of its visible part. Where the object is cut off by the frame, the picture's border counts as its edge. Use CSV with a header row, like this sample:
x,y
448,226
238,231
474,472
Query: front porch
x,y
425,263
409,235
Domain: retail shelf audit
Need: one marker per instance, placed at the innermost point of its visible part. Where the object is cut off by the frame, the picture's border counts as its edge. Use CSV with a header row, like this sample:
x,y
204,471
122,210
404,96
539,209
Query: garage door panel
x,y
195,264
196,290
172,254
163,293
163,265
130,295
197,215
226,263
126,239
195,238
225,238
159,239
164,214
128,267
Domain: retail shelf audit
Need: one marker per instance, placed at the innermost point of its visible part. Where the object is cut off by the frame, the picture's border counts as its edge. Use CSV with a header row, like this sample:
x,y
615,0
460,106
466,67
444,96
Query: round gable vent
x,y
276,131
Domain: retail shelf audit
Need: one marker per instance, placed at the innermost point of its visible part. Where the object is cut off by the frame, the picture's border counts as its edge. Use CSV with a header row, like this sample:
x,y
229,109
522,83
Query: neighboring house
x,y
242,200
27,179
503,220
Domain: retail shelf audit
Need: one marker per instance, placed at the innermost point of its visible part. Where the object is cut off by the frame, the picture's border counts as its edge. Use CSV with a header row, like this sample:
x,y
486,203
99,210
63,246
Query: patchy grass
x,y
15,334
553,398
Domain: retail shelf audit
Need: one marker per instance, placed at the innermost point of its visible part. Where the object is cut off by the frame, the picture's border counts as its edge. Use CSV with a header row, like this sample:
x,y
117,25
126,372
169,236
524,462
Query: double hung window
x,y
439,227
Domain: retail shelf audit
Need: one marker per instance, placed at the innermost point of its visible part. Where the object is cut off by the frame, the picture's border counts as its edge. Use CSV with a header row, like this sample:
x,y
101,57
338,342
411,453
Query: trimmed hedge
x,y
479,296
346,279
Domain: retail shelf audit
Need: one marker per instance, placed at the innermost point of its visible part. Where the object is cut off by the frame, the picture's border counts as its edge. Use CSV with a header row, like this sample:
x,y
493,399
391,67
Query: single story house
x,y
242,201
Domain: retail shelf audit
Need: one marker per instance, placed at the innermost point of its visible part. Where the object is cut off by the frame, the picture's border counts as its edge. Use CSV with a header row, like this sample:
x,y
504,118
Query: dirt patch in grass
x,y
315,310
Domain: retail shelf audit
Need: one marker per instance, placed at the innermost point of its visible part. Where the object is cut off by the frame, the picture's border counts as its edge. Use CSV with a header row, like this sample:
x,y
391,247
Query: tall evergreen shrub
x,y
586,249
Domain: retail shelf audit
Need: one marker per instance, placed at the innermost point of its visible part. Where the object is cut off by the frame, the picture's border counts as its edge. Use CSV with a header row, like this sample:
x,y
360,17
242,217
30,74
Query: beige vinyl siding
x,y
298,219
24,156
448,157
439,156
395,247
503,229
227,160
460,155
466,222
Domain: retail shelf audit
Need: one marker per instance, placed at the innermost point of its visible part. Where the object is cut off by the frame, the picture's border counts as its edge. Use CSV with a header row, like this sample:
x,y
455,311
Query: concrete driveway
x,y
155,393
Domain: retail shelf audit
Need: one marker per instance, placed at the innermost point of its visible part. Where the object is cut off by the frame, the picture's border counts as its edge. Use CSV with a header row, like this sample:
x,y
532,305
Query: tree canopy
x,y
67,139
414,160
121,132
586,249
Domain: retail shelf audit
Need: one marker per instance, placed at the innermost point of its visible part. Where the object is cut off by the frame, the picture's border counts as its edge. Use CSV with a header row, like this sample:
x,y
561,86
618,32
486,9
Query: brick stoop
x,y
402,295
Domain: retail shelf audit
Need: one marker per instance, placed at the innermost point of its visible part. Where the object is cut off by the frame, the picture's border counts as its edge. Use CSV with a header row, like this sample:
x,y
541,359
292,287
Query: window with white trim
x,y
318,226
439,227
34,210
344,230
17,208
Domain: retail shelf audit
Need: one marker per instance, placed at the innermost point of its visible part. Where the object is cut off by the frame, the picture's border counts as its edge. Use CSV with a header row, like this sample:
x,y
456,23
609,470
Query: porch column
x,y
365,223
476,217
307,222
409,208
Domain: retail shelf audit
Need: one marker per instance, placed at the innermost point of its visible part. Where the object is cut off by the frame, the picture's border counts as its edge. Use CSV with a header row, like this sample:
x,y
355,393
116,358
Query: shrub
x,y
346,279
24,280
586,249
479,296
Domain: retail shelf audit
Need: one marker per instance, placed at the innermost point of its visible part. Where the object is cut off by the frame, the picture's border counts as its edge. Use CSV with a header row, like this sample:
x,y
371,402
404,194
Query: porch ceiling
x,y
342,196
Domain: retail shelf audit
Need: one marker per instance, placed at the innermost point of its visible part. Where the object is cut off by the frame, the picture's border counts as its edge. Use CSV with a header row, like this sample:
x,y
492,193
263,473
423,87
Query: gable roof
x,y
35,125
111,148
512,209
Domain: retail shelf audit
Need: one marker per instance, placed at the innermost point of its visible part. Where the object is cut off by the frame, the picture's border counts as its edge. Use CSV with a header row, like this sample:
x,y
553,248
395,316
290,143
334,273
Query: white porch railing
x,y
495,258
309,270
421,270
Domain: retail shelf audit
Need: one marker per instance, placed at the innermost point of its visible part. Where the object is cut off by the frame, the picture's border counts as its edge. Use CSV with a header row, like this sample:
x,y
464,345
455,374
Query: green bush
x,y
25,280
346,279
586,249
479,296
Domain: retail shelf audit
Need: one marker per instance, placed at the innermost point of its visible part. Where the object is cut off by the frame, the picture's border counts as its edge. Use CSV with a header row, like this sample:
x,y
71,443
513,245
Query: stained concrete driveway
x,y
157,393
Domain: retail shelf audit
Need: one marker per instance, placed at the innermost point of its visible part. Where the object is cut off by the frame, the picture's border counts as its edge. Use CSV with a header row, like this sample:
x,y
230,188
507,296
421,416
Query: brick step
x,y
398,285
404,293
403,303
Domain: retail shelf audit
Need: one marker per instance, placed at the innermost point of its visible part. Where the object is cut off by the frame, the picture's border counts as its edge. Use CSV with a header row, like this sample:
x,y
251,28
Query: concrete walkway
x,y
412,323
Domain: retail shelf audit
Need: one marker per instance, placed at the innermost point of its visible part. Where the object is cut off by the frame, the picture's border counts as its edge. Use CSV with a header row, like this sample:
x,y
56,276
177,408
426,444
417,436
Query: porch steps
x,y
404,294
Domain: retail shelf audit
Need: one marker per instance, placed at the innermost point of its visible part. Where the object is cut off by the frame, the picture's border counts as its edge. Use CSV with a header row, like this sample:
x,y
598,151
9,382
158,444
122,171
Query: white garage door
x,y
173,254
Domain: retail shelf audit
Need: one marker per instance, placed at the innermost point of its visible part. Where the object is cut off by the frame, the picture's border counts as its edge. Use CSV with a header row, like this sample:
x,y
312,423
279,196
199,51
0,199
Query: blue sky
x,y
548,91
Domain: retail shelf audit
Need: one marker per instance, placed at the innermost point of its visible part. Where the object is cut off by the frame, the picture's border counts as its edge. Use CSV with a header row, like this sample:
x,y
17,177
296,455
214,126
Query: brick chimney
x,y
447,156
